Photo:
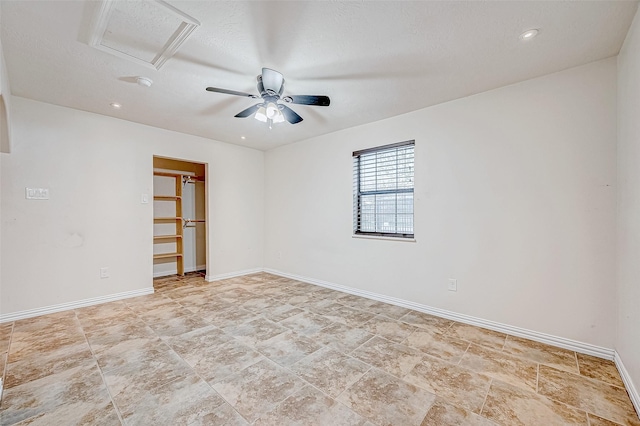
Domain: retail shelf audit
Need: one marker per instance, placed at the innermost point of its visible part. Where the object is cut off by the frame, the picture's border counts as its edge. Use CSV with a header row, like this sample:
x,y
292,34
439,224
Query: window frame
x,y
358,193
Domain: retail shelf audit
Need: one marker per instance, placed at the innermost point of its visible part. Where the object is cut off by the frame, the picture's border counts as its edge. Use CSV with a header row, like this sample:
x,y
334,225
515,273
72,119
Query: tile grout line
x,y
6,361
335,399
549,397
465,352
373,336
276,404
491,379
485,398
104,381
347,388
457,404
403,342
587,378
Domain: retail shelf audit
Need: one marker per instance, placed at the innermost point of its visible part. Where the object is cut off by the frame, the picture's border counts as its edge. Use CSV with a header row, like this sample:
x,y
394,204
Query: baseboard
x,y
175,271
211,278
628,383
14,316
573,345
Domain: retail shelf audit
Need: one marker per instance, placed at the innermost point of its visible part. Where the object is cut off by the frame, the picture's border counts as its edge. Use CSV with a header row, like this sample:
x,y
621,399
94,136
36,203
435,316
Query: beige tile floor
x,y
267,350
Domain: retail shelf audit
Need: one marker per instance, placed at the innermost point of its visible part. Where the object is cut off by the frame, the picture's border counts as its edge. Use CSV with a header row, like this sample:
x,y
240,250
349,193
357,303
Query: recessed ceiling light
x,y
529,34
242,137
115,105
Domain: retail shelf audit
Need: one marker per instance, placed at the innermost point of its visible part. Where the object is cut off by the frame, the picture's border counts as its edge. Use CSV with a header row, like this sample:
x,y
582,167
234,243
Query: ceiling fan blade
x,y
249,111
290,115
308,100
272,80
230,92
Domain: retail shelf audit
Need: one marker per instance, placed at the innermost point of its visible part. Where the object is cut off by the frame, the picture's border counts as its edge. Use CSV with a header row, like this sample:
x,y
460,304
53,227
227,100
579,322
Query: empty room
x,y
319,213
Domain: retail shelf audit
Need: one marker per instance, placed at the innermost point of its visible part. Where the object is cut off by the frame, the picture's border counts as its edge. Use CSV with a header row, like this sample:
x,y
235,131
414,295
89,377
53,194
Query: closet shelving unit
x,y
180,181
177,220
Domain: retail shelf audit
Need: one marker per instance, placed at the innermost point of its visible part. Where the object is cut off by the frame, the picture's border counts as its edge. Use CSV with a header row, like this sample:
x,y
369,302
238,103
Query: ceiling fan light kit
x,y
261,114
271,87
279,118
272,110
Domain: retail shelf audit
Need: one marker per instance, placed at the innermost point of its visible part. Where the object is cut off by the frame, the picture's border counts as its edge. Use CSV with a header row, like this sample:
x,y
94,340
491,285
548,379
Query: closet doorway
x,y
179,217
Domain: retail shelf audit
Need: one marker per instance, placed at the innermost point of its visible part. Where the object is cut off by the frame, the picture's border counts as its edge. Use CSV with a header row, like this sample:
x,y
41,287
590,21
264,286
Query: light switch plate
x,y
37,193
104,272
144,199
453,284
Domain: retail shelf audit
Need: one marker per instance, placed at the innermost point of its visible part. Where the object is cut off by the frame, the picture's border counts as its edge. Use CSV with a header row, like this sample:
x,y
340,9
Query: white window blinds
x,y
383,190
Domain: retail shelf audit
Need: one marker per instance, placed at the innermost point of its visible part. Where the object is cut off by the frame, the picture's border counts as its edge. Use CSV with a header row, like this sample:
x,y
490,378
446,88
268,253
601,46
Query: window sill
x,y
379,237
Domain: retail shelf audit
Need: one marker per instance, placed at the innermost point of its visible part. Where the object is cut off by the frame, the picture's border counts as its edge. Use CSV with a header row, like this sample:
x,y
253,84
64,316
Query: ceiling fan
x,y
271,86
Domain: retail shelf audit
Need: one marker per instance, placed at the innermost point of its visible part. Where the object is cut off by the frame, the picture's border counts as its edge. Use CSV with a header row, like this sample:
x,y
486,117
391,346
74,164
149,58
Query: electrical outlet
x,y
453,284
104,272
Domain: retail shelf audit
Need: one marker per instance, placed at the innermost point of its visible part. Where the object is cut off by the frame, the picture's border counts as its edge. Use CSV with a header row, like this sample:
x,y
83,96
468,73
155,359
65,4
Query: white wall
x,y
628,341
5,100
96,169
4,127
515,197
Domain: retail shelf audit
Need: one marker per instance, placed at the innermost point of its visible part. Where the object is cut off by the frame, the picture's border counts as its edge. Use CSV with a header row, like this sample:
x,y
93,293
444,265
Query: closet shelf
x,y
166,237
166,255
166,198
168,174
166,219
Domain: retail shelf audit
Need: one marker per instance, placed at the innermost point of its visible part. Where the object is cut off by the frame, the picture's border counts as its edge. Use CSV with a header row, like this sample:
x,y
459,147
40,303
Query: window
x,y
383,191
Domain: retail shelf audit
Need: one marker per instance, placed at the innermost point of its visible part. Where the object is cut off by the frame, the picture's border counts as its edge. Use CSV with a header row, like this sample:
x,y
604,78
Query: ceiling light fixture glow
x,y
261,114
529,34
279,118
272,110
115,105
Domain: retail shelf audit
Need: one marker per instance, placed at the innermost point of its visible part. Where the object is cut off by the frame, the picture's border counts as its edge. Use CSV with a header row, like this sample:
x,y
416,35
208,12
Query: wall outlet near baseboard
x,y
453,284
104,272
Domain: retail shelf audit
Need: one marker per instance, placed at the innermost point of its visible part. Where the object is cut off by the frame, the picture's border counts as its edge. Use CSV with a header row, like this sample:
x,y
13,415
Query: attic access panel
x,y
147,32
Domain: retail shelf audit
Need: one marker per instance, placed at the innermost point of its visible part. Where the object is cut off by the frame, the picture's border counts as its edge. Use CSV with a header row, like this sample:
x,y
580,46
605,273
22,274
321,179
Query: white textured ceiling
x,y
374,59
